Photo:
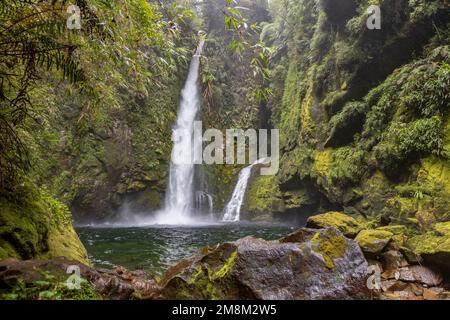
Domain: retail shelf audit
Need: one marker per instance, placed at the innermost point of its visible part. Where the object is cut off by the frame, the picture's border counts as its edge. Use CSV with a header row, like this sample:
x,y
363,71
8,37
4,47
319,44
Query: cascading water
x,y
233,208
180,194
204,203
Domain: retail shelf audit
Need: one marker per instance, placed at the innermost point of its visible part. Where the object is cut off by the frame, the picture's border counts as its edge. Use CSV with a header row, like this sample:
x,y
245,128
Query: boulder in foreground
x,y
308,264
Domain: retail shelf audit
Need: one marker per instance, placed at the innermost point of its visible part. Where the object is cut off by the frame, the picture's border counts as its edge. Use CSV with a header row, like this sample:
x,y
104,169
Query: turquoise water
x,y
156,248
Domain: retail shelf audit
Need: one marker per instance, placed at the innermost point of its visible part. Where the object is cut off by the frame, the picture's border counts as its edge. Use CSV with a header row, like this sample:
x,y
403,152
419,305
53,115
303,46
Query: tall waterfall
x,y
180,191
233,208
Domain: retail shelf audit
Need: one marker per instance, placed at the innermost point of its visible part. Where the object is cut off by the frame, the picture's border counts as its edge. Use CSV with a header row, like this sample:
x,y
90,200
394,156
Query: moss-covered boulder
x,y
308,264
35,225
373,242
434,246
344,223
396,229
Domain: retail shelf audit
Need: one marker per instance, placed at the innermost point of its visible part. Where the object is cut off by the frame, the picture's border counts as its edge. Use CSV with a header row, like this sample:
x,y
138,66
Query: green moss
x,y
443,228
226,268
433,246
290,115
423,136
395,229
307,122
373,241
323,161
348,166
263,197
37,225
63,241
344,223
198,271
435,173
330,245
205,282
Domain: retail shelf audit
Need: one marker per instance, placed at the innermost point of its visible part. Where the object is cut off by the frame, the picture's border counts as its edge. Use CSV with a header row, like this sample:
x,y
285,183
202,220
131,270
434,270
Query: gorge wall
x,y
363,114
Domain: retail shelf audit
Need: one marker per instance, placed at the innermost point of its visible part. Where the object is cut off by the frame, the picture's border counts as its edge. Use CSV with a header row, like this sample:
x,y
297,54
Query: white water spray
x,y
180,191
233,208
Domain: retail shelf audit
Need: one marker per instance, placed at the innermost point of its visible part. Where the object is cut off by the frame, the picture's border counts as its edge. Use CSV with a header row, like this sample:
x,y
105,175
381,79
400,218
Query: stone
x,y
442,228
397,242
373,242
432,247
390,274
395,229
410,256
393,259
426,219
430,294
344,223
423,275
320,264
393,285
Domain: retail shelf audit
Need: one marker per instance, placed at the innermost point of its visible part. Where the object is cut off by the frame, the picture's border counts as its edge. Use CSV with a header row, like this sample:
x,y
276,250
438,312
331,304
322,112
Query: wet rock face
x,y
309,264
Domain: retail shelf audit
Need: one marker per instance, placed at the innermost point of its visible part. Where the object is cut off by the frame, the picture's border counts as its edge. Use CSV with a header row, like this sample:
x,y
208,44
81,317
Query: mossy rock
x,y
435,172
63,241
373,242
434,246
443,228
344,223
330,244
37,226
397,229
252,268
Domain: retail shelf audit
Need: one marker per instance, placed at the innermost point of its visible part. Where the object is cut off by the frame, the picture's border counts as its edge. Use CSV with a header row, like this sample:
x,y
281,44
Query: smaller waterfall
x,y
233,208
204,202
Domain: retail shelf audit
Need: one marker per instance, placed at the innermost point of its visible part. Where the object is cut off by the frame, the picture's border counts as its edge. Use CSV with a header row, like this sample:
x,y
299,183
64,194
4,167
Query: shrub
x,y
401,141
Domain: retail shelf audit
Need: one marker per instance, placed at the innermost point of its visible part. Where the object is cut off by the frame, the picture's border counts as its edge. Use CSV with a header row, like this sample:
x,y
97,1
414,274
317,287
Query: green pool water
x,y
155,248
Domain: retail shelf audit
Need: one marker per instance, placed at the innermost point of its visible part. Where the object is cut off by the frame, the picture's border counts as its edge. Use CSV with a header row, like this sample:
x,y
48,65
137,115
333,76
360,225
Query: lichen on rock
x,y
373,241
344,223
37,226
253,268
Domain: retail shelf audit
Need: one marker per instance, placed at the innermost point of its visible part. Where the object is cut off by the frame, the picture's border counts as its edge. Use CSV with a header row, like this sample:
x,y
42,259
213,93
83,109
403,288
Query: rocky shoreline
x,y
331,258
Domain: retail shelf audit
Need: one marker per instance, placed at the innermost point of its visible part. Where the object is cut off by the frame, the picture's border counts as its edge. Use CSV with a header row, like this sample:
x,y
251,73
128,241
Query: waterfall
x,y
204,203
233,208
180,194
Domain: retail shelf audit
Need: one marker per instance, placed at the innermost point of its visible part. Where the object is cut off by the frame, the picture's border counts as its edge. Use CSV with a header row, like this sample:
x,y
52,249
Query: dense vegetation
x,y
362,132
86,115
